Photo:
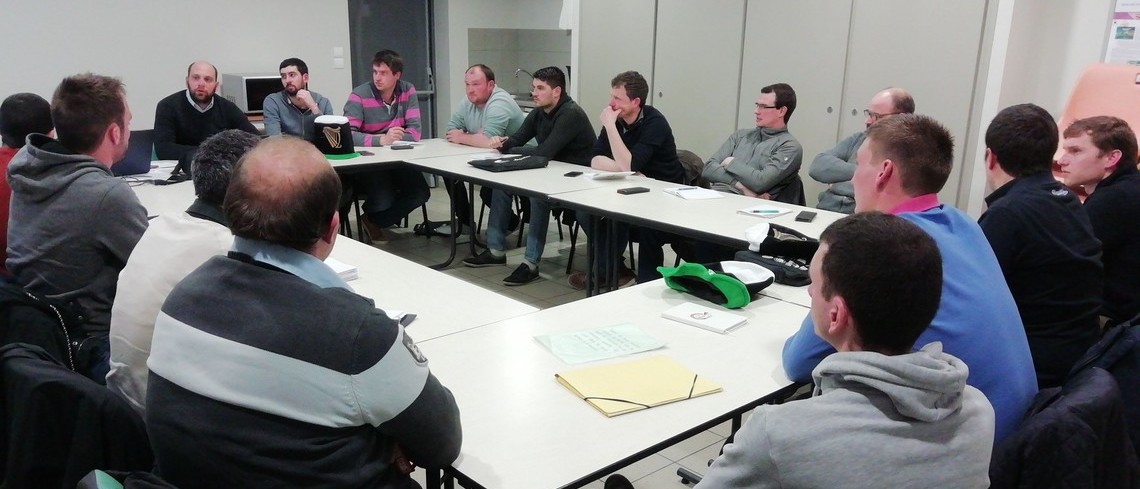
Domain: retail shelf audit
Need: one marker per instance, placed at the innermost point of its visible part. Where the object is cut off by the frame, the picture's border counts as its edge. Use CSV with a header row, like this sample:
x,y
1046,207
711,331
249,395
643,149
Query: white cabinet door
x,y
613,37
929,47
802,43
697,70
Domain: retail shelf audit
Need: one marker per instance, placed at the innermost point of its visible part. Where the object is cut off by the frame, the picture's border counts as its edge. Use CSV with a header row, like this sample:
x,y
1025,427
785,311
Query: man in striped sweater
x,y
383,113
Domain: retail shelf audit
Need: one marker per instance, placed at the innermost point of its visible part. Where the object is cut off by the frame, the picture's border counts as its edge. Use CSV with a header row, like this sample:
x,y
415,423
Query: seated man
x,y
836,165
268,371
564,133
876,284
1043,241
902,165
185,118
72,225
382,113
635,137
487,113
293,109
1099,155
763,161
172,247
20,115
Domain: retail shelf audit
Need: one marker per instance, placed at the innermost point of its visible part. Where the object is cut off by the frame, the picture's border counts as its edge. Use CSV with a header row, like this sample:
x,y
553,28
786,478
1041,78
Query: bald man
x,y
267,347
836,166
187,117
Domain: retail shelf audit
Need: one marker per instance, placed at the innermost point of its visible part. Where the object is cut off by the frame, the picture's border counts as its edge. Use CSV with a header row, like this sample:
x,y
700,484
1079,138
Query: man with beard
x,y
72,225
186,118
293,110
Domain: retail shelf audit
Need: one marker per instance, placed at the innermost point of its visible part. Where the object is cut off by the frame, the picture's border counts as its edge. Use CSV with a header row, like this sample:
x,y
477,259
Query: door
x,y
804,44
696,70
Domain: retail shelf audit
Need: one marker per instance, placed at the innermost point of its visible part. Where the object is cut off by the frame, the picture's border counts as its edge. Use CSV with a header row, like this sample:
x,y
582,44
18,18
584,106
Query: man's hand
x,y
726,162
745,190
455,136
394,134
306,98
609,117
497,142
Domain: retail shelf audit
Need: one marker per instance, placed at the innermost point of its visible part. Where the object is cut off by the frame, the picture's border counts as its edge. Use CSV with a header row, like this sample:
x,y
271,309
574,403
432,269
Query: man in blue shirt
x,y
900,167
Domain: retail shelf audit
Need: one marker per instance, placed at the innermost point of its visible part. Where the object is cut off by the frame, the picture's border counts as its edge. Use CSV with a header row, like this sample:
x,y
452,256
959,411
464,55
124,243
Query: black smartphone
x,y
367,153
401,146
632,190
805,216
572,174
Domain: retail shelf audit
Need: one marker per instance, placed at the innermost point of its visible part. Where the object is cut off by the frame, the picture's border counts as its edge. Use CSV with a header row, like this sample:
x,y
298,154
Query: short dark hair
x,y
1023,138
390,58
635,85
214,162
901,99
785,97
23,114
487,72
552,76
1107,133
287,211
889,272
191,66
82,108
301,66
920,147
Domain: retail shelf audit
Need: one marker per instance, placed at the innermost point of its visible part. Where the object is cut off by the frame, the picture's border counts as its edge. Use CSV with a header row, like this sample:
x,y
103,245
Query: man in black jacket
x,y
1100,157
185,118
564,133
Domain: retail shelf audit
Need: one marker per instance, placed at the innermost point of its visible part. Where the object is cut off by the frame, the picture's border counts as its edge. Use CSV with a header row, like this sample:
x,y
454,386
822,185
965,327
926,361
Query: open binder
x,y
626,387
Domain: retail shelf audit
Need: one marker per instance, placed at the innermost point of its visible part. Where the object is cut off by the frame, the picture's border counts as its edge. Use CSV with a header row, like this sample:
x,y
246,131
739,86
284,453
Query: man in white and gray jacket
x,y
881,415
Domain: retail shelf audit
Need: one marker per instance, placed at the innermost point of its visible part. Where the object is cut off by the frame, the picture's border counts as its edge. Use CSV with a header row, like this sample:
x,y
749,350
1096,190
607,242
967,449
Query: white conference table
x,y
382,155
524,430
536,183
443,304
715,220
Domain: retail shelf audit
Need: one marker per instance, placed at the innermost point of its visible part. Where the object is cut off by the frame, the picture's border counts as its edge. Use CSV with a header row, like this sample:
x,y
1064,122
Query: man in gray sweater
x,y
763,161
836,166
881,414
295,107
72,225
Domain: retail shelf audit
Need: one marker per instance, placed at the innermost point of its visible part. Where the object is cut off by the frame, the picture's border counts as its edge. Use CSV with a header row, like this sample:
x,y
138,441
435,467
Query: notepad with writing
x,y
711,318
768,211
694,193
625,387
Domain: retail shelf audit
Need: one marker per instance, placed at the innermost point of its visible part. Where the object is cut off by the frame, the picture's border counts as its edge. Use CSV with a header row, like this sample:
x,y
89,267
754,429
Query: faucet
x,y
520,70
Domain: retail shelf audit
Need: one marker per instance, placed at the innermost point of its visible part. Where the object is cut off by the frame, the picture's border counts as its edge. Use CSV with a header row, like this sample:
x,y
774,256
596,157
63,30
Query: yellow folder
x,y
635,385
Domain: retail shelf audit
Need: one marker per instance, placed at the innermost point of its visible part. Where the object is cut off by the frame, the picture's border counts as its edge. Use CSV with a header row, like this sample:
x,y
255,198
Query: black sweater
x,y
1112,208
179,127
565,134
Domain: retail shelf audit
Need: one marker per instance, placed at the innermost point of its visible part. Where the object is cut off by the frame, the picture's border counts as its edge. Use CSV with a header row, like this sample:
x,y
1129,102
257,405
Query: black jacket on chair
x,y
1073,437
1118,352
58,425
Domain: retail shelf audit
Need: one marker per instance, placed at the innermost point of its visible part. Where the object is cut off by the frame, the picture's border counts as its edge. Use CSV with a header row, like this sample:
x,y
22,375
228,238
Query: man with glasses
x,y
765,161
836,166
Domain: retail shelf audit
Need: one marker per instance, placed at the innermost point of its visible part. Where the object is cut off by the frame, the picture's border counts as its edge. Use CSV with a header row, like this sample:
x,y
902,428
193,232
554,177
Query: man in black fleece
x,y
187,117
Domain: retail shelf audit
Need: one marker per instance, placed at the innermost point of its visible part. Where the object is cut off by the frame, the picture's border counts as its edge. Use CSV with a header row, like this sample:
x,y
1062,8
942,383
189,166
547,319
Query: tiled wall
x,y
504,50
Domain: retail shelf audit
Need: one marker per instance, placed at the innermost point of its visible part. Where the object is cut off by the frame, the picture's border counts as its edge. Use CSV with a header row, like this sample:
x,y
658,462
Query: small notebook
x,y
766,211
343,270
705,317
694,193
626,387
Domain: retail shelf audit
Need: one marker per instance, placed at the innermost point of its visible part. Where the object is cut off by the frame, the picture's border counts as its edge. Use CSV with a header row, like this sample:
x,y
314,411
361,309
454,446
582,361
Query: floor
x,y
657,471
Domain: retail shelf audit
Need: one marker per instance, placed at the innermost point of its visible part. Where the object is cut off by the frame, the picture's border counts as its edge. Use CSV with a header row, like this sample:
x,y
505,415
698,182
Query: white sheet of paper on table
x,y
599,344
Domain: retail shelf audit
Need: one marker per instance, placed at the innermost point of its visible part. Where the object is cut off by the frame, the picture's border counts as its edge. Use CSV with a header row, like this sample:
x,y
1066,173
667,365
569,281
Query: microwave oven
x,y
248,90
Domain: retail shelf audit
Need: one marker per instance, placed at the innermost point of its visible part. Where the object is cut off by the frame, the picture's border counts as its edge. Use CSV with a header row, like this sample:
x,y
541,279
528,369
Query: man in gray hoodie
x,y
881,414
72,225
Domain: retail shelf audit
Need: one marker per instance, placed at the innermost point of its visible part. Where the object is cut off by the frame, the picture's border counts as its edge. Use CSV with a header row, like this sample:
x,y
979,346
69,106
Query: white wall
x,y
1049,42
454,17
149,44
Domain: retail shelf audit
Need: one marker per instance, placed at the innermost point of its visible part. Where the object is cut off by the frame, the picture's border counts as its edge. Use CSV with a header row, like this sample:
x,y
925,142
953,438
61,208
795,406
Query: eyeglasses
x,y
876,116
762,106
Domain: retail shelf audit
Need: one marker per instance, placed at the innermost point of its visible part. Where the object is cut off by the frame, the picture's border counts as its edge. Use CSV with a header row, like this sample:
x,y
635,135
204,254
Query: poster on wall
x,y
1123,45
